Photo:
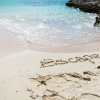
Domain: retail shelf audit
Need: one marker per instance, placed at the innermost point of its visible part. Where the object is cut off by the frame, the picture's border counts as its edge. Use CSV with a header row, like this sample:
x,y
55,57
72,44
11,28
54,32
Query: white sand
x,y
20,69
9,43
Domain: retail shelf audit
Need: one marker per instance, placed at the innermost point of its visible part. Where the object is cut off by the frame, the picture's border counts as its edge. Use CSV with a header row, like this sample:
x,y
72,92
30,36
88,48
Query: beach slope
x,y
27,75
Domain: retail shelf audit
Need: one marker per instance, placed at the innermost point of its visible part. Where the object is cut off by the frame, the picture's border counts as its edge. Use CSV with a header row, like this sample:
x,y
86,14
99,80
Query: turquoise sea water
x,y
47,22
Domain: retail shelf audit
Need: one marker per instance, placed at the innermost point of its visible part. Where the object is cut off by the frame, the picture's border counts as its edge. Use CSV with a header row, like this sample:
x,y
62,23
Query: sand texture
x,y
31,75
23,78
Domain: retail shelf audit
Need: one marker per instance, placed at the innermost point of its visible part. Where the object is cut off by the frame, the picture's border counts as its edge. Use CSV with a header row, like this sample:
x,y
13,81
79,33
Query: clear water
x,y
47,22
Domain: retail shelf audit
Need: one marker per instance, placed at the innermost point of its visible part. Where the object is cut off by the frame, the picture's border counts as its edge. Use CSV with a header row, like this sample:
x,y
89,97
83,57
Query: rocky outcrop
x,y
91,6
74,4
99,9
97,23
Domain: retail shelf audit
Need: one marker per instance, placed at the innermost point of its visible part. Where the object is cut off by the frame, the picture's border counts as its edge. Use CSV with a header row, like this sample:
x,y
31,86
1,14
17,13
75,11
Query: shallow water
x,y
47,22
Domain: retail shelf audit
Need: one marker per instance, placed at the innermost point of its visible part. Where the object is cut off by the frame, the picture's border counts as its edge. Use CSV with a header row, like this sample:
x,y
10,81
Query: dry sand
x,y
27,75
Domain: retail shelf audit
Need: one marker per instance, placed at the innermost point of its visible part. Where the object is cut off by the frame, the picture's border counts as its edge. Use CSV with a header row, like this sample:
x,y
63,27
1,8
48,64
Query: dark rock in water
x,y
97,23
84,5
70,4
73,4
99,8
91,7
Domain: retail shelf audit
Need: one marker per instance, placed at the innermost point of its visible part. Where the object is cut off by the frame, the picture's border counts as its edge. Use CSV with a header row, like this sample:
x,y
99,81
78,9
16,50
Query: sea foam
x,y
48,22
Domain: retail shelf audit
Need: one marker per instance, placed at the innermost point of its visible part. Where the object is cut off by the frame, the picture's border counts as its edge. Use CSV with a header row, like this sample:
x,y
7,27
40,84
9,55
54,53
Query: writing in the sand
x,y
51,62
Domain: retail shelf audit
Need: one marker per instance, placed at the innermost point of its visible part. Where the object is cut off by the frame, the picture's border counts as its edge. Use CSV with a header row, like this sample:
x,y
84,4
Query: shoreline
x,y
22,78
89,47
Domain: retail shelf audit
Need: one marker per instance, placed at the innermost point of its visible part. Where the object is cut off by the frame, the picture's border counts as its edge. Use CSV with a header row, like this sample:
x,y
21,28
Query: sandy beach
x,y
27,74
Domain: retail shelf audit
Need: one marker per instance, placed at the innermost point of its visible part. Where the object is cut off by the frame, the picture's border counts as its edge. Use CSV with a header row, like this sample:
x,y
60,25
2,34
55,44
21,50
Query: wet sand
x,y
27,74
9,43
93,46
